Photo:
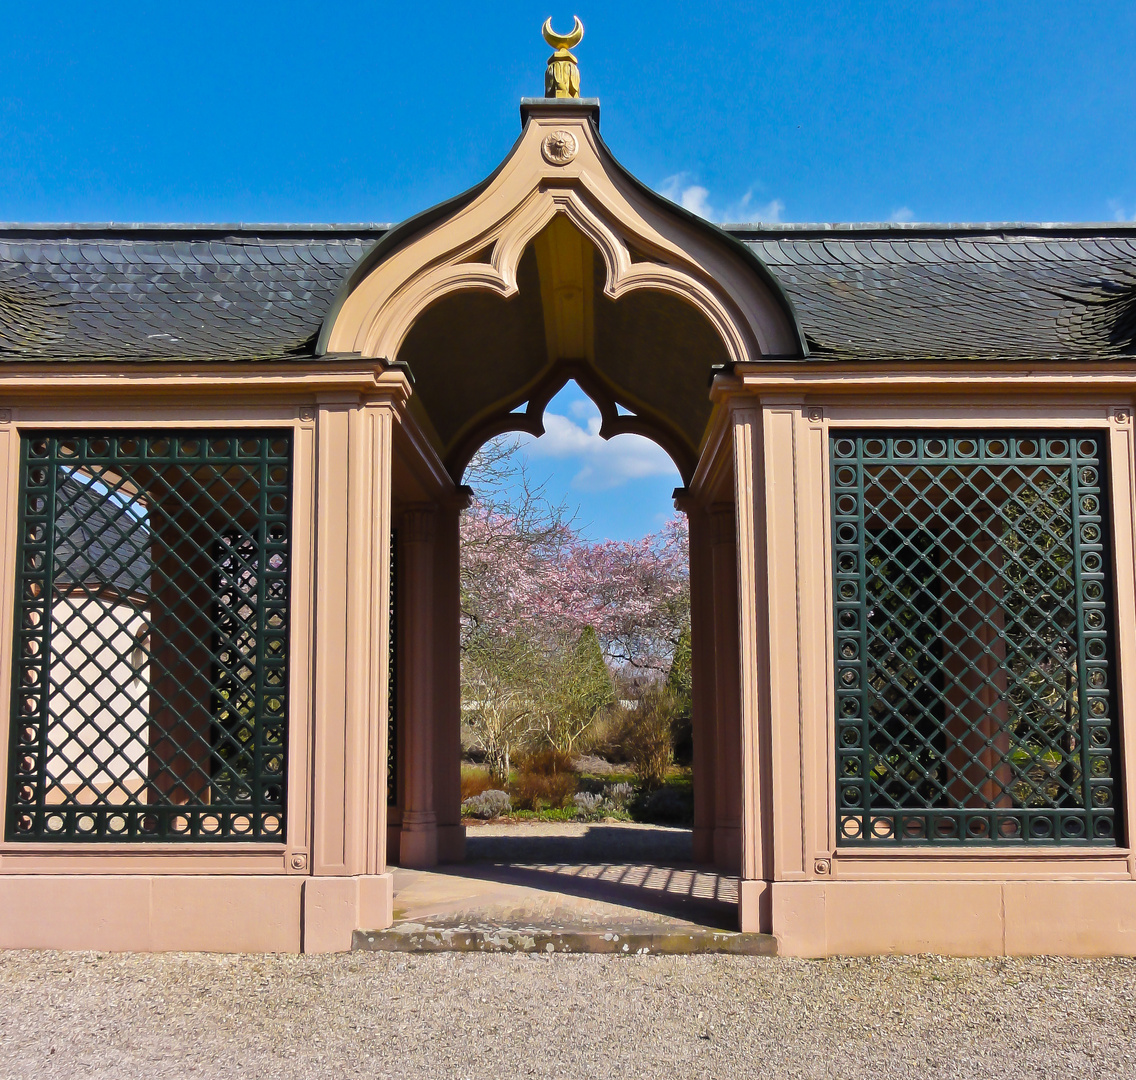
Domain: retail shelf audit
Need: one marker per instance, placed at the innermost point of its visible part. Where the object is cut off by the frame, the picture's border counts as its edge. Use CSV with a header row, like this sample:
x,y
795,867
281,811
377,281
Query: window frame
x,y
288,855
816,788
945,807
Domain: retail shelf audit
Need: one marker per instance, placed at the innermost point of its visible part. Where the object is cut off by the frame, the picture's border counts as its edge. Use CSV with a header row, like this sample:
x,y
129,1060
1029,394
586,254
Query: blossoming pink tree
x,y
531,586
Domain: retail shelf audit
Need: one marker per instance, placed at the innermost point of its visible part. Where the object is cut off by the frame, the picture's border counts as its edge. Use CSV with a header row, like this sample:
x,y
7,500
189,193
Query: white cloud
x,y
604,463
691,196
1118,211
769,213
743,210
903,214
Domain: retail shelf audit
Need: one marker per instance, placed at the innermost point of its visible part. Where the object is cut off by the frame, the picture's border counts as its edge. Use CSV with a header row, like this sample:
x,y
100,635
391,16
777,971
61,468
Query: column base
x,y
728,848
451,843
418,842
334,908
703,844
755,907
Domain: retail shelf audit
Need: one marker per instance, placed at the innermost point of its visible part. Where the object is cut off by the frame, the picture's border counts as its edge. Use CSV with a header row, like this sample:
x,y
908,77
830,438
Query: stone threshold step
x,y
421,938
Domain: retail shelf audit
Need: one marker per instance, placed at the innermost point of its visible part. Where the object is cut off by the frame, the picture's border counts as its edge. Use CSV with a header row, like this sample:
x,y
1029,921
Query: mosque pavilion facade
x,y
231,463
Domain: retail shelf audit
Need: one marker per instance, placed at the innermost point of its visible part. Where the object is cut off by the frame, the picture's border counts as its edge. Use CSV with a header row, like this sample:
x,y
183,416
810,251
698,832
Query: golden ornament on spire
x,y
562,76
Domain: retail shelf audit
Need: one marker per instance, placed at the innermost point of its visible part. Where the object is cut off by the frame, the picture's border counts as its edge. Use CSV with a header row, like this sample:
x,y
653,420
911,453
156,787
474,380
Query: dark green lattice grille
x,y
972,598
149,697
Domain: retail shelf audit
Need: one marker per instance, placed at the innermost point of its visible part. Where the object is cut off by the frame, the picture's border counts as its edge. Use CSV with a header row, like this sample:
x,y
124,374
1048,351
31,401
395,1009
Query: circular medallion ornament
x,y
559,148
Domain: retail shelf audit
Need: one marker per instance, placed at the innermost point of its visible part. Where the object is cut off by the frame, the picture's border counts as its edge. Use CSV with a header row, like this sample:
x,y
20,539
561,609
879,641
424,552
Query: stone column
x,y
418,842
349,887
727,695
702,719
447,684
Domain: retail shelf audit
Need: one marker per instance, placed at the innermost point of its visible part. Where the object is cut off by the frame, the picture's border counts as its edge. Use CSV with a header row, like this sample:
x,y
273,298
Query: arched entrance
x,y
562,266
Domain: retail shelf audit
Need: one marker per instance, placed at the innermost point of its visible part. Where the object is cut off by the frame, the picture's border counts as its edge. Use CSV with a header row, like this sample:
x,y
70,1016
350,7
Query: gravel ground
x,y
456,1016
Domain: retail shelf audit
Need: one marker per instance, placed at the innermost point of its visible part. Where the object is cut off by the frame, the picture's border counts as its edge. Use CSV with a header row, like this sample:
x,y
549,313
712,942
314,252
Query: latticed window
x,y
149,697
972,592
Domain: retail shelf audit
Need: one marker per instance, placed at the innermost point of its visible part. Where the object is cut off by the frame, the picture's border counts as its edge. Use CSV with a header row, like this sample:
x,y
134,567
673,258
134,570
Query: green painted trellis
x,y
150,682
973,656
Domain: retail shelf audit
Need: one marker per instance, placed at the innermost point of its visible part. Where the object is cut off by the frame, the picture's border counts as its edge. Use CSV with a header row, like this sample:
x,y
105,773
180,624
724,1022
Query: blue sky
x,y
778,110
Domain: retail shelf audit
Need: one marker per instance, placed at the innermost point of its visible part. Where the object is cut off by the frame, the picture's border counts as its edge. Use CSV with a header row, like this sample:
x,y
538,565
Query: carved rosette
x,y
559,147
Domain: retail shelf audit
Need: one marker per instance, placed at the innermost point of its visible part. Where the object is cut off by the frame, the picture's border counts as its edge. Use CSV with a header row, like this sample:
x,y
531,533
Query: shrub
x,y
548,762
667,806
619,795
603,737
473,782
649,739
534,791
488,804
588,804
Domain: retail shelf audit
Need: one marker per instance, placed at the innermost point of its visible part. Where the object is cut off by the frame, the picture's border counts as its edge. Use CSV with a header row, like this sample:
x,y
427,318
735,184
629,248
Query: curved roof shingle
x,y
861,291
952,292
170,292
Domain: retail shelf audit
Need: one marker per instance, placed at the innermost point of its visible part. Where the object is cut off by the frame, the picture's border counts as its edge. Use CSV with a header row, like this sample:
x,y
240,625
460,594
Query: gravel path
x,y
568,841
456,1016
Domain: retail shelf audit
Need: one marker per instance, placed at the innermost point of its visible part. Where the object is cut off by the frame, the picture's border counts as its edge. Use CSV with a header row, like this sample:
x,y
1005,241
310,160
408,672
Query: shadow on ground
x,y
568,842
614,875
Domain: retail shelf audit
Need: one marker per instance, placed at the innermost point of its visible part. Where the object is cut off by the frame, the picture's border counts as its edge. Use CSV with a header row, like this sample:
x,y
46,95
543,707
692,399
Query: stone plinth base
x,y
954,918
334,908
702,845
191,913
754,907
447,846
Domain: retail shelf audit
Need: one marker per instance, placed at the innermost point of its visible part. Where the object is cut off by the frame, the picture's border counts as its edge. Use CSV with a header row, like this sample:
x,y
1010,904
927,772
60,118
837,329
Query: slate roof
x,y
171,292
174,292
99,543
957,291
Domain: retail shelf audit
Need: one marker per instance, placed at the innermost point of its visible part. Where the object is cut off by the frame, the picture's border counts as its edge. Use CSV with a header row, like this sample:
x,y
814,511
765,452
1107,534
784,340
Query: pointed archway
x,y
561,257
563,266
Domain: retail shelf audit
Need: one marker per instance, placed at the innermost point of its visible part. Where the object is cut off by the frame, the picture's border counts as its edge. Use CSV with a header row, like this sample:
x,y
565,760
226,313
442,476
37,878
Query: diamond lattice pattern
x,y
973,667
150,686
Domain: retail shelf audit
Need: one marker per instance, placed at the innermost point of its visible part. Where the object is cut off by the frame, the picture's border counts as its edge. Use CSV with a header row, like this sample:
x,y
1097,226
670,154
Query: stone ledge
x,y
421,938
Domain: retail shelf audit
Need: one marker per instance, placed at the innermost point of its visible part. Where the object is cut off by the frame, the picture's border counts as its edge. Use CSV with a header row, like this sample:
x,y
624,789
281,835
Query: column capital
x,y
418,523
684,501
723,529
462,497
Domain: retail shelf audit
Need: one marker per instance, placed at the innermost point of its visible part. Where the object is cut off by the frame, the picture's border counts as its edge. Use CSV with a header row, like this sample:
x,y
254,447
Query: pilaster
x,y
447,683
703,726
418,839
728,774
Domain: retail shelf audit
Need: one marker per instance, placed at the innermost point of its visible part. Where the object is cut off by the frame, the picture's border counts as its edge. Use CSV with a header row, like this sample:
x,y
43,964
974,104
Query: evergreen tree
x,y
594,688
679,687
679,677
580,686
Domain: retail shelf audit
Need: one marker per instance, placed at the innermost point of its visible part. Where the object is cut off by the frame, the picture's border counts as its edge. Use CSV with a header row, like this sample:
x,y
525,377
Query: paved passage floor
x,y
571,876
455,1015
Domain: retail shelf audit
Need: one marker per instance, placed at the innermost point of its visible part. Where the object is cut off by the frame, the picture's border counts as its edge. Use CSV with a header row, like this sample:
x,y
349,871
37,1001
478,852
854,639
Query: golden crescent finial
x,y
562,76
563,41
